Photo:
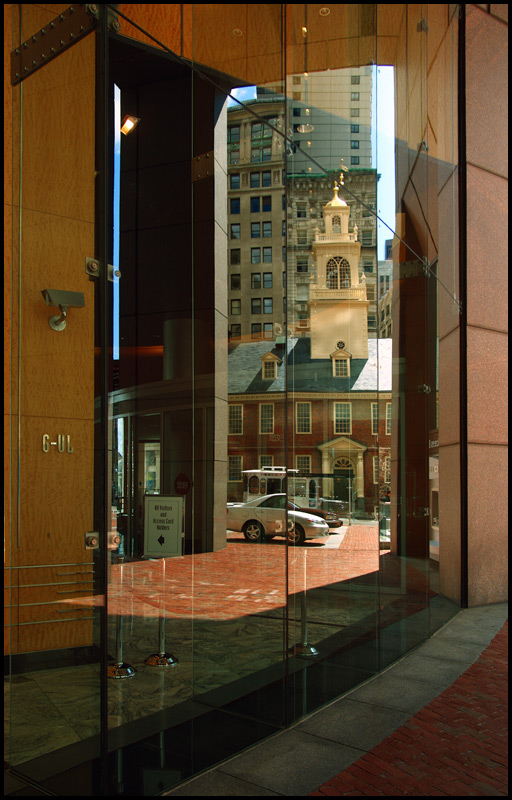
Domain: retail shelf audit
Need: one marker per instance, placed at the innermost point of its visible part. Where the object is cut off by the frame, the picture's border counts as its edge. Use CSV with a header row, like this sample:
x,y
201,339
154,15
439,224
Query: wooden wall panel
x,y
53,151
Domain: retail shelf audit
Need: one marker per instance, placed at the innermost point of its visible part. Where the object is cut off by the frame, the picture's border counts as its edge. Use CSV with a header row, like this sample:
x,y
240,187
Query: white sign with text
x,y
163,526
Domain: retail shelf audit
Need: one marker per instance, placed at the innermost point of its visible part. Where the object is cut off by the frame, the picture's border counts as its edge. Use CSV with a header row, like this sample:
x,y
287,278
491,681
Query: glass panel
x,y
268,454
55,553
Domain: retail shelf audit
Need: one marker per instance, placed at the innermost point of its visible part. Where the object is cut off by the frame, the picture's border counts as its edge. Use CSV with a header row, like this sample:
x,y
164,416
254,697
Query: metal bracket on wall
x,y
65,30
93,268
202,166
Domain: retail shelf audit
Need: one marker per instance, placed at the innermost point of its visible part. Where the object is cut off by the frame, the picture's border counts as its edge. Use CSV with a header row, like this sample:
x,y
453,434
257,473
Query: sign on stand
x,y
164,519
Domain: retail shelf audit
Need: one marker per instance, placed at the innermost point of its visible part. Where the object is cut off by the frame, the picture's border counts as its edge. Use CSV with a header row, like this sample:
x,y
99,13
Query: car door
x,y
272,514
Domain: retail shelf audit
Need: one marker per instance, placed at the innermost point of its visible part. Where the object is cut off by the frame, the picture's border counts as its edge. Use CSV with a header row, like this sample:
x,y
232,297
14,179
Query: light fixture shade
x,y
129,123
306,128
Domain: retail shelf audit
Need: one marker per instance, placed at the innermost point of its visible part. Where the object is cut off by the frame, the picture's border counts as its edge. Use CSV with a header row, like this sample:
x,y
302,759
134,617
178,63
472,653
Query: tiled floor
x,y
224,623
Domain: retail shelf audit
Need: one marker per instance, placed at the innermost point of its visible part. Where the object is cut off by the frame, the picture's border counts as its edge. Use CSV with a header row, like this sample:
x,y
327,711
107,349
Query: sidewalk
x,y
434,723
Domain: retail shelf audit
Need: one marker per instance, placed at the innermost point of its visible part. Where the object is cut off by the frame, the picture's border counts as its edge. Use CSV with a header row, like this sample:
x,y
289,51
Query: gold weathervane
x,y
343,169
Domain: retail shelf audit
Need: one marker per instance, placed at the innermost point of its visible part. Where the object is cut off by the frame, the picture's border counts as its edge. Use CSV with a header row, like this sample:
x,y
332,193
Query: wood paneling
x,y
53,150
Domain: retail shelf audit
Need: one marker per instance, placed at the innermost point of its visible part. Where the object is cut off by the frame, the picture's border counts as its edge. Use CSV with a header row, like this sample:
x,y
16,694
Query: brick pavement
x,y
456,746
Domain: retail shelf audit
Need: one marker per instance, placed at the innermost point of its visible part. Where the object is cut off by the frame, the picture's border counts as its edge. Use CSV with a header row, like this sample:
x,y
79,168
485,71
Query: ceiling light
x,y
305,128
129,123
324,11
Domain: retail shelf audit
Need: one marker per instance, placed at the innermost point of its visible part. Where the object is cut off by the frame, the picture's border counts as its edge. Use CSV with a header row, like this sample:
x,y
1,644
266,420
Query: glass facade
x,y
225,495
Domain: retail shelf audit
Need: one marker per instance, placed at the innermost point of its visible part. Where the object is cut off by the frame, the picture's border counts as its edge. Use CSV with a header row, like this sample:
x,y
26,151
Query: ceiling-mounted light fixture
x,y
324,11
129,123
307,127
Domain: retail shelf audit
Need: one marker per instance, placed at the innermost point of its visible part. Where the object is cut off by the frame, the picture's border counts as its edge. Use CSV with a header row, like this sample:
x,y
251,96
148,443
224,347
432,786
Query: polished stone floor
x,y
226,626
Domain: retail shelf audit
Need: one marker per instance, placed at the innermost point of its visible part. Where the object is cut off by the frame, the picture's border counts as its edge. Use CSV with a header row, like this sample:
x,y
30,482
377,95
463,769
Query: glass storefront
x,y
225,497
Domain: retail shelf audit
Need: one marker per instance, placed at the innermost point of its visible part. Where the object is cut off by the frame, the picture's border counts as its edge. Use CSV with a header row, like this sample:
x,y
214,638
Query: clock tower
x,y
338,301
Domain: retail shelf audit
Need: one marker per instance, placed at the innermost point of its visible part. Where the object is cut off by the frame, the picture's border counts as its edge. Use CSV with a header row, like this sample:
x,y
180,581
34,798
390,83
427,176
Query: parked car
x,y
332,518
266,517
337,506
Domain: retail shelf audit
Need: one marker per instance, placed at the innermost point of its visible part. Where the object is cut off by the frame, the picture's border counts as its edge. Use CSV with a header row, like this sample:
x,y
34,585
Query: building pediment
x,y
342,444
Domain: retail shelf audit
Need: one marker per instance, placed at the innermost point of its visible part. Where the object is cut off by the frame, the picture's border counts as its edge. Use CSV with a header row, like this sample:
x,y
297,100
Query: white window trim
x,y
270,405
302,403
335,360
336,431
301,468
375,418
375,469
240,432
240,479
388,418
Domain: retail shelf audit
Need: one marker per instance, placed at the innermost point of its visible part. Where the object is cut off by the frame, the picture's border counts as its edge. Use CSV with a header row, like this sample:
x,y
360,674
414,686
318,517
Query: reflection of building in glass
x,y
328,118
340,425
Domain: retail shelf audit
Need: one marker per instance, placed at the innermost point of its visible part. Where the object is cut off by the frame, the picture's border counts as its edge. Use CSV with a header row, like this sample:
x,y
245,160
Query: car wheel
x,y
253,531
296,535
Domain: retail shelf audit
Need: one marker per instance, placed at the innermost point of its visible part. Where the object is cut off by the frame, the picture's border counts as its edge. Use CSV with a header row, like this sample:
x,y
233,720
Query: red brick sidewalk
x,y
456,746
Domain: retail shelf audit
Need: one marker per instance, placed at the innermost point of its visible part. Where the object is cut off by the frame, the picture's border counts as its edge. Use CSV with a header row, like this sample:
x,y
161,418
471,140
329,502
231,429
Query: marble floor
x,y
225,620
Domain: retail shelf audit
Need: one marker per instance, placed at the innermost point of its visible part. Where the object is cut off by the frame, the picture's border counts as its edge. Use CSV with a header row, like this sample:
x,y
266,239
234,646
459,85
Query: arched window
x,y
336,224
338,273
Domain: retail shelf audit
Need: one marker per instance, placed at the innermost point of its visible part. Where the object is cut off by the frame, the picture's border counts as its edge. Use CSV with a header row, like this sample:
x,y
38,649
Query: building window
x,y
354,160
354,144
367,239
256,330
387,469
302,265
234,205
269,370
388,419
235,419
266,418
233,134
255,255
235,280
235,230
302,237
267,305
266,461
234,257
266,203
234,158
372,322
234,180
368,266
256,280
236,307
267,280
266,179
301,210
303,463
255,180
267,230
255,230
342,418
355,79
303,418
336,224
255,205
354,95
267,255
256,305
338,273
354,129
235,464
375,469
235,331
375,418
354,112
268,330
340,367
